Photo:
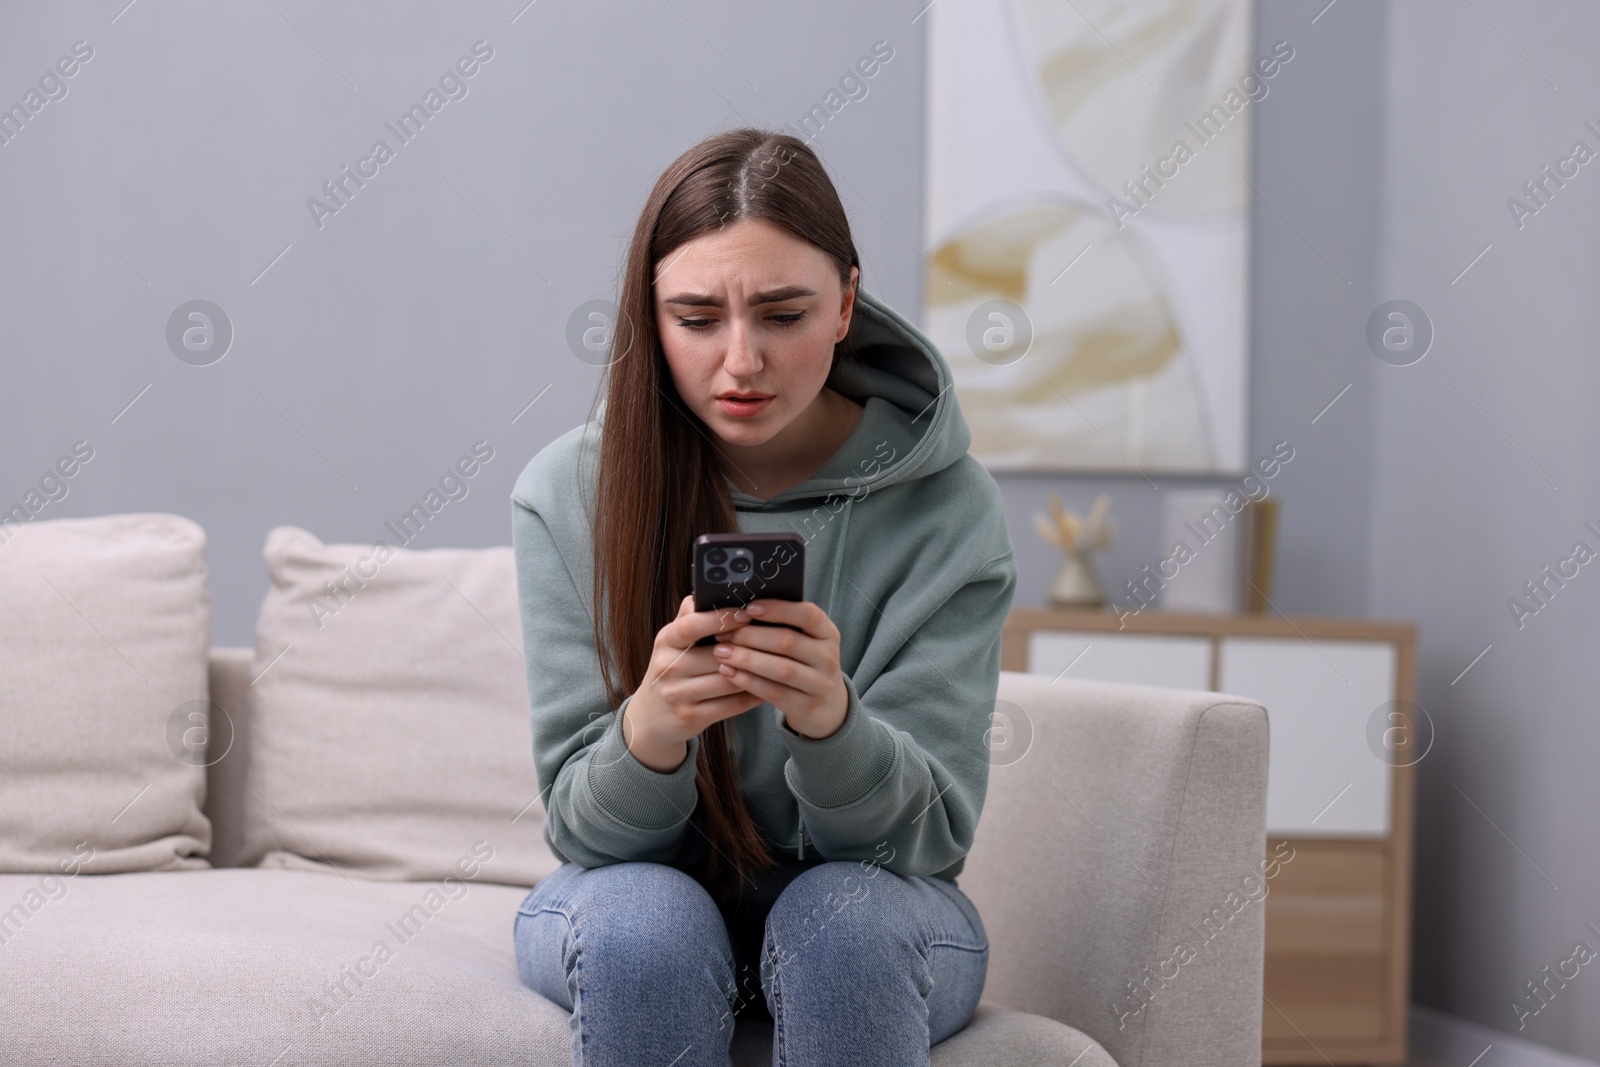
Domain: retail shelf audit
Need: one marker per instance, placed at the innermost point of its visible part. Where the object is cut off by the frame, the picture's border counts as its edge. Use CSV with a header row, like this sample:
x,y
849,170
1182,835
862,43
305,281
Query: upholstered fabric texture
x,y
294,968
389,727
104,635
1120,867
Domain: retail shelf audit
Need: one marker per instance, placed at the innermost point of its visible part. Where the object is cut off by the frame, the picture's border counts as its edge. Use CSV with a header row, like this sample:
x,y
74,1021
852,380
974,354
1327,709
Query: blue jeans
x,y
857,965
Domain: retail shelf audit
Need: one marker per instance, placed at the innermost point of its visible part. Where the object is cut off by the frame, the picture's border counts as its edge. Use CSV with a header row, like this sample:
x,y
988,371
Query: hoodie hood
x,y
910,427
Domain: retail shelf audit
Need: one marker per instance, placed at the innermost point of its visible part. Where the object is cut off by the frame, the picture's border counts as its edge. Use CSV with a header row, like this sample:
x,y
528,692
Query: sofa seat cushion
x,y
281,967
242,966
996,1037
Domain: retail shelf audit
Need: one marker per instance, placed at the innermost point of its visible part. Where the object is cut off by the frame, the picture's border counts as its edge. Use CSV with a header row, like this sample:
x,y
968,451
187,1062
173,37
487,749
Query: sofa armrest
x,y
227,754
1120,864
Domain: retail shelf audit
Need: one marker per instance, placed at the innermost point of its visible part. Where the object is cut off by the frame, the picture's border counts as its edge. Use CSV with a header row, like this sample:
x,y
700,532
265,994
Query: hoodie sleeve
x,y
602,805
904,776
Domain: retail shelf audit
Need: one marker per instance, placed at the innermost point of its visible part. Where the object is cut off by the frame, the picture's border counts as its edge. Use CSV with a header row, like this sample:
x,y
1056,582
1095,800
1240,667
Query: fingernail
x,y
722,650
758,609
741,616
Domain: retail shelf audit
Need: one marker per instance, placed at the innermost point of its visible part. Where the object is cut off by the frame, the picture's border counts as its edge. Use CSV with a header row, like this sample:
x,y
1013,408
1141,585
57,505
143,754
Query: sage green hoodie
x,y
906,550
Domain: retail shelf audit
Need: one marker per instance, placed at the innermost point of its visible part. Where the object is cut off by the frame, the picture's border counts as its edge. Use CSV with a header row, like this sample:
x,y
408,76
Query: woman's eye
x,y
783,321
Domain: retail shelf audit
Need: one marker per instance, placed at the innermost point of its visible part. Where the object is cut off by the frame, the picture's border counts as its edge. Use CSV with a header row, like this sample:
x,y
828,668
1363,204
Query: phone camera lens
x,y
717,555
716,574
739,565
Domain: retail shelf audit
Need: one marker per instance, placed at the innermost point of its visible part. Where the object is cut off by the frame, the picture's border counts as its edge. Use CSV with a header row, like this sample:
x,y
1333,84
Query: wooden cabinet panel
x,y
1329,996
1328,957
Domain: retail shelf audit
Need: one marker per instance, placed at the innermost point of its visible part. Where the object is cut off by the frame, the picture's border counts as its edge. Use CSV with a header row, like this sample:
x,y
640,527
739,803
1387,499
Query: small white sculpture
x,y
1076,585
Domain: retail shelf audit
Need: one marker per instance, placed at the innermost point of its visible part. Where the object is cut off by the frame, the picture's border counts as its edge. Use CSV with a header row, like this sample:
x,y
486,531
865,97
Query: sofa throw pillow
x,y
390,731
105,626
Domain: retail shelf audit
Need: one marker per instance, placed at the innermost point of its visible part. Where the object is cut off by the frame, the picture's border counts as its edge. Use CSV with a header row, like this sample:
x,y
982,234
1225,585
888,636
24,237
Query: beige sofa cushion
x,y
390,726
105,625
286,968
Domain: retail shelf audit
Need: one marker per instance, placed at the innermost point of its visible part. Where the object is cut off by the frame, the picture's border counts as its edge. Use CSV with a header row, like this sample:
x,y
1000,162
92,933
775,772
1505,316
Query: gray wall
x,y
1484,470
428,312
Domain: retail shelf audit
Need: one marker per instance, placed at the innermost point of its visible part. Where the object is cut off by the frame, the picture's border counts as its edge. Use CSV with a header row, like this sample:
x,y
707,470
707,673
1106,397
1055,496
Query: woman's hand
x,y
797,672
683,692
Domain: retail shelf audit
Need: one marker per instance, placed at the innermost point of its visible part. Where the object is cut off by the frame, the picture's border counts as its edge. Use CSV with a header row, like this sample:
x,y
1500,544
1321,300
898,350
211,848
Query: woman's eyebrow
x,y
770,296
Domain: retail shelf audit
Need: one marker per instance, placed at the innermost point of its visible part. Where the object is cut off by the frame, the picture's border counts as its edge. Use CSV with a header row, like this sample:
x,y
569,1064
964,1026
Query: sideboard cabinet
x,y
1345,734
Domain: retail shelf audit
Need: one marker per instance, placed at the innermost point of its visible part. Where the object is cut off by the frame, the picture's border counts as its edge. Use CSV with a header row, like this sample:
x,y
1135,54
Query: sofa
x,y
363,777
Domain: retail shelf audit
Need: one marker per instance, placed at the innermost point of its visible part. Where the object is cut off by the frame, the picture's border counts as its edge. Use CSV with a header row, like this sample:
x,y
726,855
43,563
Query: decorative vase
x,y
1076,584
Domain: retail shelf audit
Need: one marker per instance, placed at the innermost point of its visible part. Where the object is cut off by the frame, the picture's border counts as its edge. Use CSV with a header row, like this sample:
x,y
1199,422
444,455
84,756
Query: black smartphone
x,y
732,569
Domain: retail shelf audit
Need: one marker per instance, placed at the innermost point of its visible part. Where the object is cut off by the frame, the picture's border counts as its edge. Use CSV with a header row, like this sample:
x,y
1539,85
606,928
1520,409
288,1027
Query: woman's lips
x,y
743,409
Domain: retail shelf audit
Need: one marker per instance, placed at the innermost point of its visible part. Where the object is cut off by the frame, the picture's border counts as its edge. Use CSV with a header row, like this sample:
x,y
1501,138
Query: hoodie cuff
x,y
635,795
842,768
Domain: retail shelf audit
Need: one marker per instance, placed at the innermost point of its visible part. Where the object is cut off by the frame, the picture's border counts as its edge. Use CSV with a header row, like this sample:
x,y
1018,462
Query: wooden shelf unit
x,y
1338,916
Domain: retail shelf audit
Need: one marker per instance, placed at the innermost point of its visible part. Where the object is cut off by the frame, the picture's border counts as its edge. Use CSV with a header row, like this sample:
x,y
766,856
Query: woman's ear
x,y
847,305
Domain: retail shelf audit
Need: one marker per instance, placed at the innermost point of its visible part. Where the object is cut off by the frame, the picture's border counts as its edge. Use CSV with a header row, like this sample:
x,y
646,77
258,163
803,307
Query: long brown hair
x,y
658,485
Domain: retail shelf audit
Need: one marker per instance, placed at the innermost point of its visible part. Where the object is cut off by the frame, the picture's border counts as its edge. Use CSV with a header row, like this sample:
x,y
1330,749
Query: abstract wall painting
x,y
1087,227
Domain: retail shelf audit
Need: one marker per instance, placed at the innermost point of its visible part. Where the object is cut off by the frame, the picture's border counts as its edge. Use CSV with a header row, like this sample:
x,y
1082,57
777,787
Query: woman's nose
x,y
741,359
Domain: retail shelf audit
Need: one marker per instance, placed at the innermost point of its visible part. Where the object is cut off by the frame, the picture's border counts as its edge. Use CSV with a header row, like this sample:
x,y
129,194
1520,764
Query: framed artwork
x,y
1087,227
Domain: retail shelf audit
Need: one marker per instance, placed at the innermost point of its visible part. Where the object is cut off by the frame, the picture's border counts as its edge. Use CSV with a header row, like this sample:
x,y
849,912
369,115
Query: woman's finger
x,y
776,693
782,640
791,673
688,690
802,614
690,625
695,717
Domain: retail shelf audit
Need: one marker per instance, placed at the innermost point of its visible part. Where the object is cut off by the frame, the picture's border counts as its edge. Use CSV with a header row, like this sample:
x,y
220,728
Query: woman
x,y
769,827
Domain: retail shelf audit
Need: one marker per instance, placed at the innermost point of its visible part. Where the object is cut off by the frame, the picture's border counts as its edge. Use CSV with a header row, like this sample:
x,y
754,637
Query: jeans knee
x,y
646,918
836,910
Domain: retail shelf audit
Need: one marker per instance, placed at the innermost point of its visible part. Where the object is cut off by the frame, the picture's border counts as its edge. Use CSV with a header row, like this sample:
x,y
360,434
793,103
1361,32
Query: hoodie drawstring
x,y
838,555
833,591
